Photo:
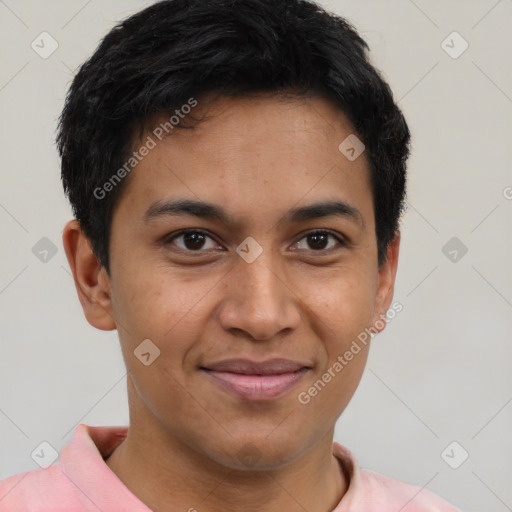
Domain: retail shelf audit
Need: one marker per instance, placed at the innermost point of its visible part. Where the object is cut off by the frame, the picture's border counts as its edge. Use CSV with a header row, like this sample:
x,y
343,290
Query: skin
x,y
257,158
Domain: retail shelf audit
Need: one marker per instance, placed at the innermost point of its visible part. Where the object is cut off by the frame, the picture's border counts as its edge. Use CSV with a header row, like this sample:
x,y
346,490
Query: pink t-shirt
x,y
81,481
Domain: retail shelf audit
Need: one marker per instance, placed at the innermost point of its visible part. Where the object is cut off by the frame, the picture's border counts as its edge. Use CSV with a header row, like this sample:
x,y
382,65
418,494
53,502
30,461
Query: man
x,y
237,174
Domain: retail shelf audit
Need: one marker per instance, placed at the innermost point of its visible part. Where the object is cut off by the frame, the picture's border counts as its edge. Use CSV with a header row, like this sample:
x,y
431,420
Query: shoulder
x,y
369,490
79,480
400,495
37,489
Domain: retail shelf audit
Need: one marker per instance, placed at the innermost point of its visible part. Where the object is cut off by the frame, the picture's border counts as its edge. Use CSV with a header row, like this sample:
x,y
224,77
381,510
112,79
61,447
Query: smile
x,y
256,381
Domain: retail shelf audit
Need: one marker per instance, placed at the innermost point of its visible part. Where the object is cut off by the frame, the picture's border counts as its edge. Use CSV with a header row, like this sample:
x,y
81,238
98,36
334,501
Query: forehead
x,y
256,155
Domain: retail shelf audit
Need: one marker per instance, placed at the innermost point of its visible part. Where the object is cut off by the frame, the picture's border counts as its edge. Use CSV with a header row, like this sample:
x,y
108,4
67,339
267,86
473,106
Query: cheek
x,y
168,311
344,310
343,303
161,306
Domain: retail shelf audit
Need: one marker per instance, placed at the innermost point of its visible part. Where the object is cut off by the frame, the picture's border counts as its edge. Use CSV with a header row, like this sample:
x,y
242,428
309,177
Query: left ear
x,y
386,285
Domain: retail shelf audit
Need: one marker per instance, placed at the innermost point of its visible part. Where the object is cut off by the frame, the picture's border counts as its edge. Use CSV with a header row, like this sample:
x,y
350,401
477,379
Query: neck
x,y
169,476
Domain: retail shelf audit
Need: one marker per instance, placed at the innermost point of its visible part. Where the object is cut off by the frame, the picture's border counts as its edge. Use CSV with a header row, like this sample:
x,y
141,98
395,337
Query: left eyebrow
x,y
204,210
325,209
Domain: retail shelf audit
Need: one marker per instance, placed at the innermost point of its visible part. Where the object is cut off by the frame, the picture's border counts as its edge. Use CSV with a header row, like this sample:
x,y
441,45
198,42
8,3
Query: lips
x,y
246,367
263,380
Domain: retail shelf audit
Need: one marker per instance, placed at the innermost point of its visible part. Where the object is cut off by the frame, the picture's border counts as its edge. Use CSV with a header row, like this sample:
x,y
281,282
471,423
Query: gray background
x,y
441,370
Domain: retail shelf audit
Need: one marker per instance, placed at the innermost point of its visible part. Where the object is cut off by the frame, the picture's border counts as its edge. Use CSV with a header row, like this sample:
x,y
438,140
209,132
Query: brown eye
x,y
192,241
319,241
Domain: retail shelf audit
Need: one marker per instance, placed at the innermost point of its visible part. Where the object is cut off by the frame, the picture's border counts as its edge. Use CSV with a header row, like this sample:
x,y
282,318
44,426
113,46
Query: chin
x,y
257,454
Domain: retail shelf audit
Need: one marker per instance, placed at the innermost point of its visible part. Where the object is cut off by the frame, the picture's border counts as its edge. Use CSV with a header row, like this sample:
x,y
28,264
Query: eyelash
x,y
341,241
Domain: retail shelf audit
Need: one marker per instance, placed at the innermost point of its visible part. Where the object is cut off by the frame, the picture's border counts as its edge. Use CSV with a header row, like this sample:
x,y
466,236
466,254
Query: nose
x,y
260,301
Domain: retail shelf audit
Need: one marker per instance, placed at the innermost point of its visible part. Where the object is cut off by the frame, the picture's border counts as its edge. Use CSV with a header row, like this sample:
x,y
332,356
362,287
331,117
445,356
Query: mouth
x,y
251,380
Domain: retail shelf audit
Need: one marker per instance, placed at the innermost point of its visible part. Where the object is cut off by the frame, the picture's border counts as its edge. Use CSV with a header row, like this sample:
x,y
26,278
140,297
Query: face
x,y
222,255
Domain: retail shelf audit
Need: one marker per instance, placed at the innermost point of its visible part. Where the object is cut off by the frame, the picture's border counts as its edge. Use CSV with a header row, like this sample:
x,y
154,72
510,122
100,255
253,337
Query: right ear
x,y
91,279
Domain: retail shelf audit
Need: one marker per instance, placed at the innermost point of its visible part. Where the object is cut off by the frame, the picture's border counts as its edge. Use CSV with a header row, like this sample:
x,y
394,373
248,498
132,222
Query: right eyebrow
x,y
176,207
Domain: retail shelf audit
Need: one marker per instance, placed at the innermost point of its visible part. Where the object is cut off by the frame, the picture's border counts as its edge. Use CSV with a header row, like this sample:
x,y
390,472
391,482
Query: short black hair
x,y
159,58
